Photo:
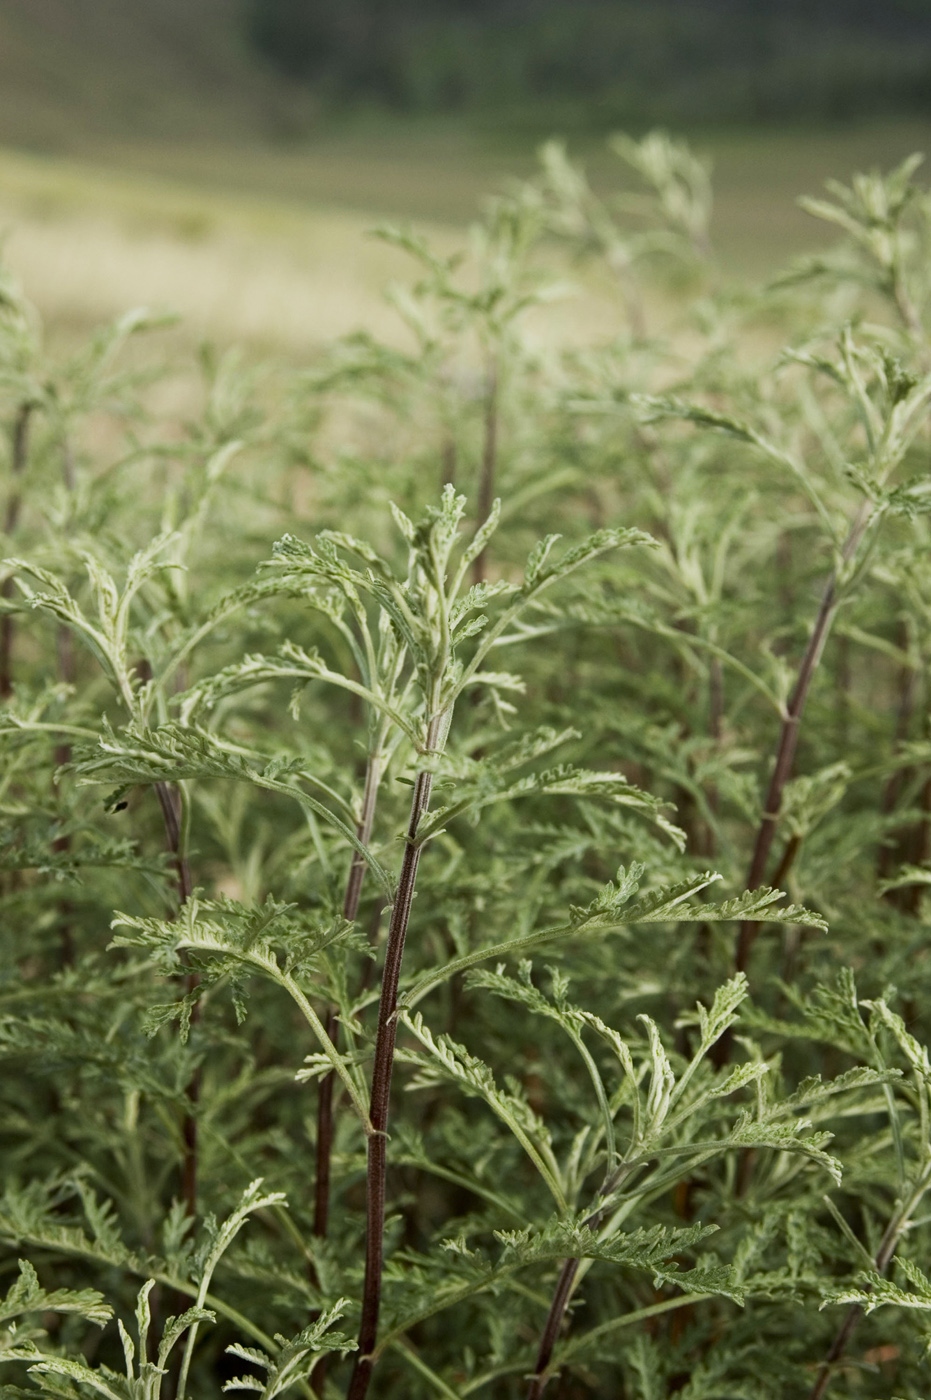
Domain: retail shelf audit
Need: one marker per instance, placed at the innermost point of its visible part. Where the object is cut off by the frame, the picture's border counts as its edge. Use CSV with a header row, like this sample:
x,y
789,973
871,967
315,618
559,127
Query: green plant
x,y
331,1022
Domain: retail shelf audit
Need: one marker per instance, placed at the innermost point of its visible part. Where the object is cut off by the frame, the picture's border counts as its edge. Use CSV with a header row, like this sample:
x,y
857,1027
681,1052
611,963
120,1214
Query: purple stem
x,y
381,1086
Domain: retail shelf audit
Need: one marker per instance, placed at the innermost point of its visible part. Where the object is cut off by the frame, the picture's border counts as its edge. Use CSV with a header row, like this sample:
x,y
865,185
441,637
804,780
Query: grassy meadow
x,y
267,244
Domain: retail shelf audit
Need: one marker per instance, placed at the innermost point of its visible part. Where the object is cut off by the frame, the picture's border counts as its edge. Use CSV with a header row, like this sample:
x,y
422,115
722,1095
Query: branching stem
x,y
381,1081
788,735
882,1259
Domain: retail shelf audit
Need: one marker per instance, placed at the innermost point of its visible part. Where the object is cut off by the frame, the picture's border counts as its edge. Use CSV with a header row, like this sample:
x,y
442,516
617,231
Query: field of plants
x,y
465,834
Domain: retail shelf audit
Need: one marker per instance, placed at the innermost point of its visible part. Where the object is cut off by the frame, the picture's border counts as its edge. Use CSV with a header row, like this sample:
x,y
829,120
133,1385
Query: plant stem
x,y
381,1082
170,801
782,768
66,674
563,1292
553,1323
882,1259
350,912
325,1092
19,457
788,738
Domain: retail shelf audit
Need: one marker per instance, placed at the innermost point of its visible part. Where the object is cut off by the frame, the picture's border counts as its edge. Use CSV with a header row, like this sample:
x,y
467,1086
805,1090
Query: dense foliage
x,y
398,990
603,61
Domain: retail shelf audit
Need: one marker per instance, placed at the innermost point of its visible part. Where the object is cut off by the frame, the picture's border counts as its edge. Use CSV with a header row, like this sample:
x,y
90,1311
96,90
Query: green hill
x,y
76,72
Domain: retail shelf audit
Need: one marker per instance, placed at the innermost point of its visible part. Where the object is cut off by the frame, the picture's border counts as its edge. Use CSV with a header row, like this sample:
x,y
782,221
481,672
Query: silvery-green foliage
x,y
575,594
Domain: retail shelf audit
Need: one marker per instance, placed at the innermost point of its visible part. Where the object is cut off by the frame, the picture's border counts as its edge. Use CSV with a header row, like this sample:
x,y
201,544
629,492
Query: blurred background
x,y
225,157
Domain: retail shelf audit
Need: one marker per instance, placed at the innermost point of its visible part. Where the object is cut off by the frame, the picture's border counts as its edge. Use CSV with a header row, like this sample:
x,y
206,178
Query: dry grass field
x,y
269,247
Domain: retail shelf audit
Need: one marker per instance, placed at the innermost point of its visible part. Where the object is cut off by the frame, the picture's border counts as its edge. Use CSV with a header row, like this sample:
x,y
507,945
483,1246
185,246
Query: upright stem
x,y
170,802
788,738
350,912
66,674
19,456
381,1083
486,485
882,1260
553,1323
785,755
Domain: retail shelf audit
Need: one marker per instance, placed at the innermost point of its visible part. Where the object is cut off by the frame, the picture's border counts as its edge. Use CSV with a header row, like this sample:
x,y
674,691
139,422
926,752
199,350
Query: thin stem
x,y
171,802
381,1081
19,456
350,913
788,738
785,756
553,1324
883,1258
594,1221
324,1154
565,1284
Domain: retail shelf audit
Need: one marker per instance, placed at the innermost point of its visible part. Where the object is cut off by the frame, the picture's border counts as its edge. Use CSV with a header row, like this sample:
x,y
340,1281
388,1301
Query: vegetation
x,y
678,61
445,957
233,72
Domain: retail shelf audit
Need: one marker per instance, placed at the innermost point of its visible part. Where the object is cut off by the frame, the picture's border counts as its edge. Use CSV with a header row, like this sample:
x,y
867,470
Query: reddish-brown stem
x,y
564,1286
381,1087
350,912
792,847
788,735
19,457
785,755
846,1330
66,674
486,485
553,1323
170,802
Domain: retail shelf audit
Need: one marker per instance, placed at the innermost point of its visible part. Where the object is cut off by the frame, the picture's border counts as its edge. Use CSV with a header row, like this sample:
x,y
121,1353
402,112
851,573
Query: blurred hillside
x,y
604,62
74,72
205,156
